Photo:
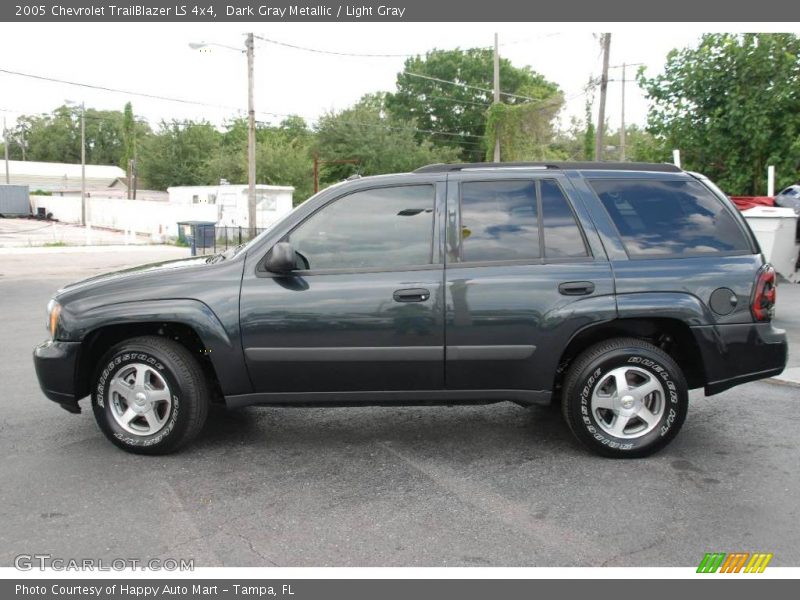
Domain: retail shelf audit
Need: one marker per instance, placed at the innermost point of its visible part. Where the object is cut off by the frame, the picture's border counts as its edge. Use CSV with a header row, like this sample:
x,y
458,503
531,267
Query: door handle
x,y
412,295
576,288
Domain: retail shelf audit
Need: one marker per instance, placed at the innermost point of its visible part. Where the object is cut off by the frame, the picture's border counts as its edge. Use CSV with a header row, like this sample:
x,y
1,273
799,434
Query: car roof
x,y
552,165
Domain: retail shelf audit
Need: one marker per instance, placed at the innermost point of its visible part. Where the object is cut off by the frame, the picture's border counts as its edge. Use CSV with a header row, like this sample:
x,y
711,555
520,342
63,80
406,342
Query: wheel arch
x,y
189,322
671,335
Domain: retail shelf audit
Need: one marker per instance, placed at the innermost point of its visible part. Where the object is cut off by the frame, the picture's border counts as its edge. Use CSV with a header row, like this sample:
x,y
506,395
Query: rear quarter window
x,y
670,218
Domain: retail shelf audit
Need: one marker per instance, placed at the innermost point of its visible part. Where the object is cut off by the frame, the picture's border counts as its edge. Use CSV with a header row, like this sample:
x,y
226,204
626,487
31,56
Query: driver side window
x,y
379,228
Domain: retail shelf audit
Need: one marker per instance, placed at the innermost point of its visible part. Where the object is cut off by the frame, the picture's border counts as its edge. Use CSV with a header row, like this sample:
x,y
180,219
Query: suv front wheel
x,y
150,395
625,398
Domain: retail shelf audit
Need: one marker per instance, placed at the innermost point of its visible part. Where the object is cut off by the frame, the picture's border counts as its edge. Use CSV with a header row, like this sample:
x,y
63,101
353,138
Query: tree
x,y
283,156
640,145
56,136
589,134
526,131
379,141
732,107
128,136
178,154
458,112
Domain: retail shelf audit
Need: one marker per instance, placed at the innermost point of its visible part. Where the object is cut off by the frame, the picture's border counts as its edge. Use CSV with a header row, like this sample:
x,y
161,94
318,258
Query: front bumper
x,y
55,364
736,354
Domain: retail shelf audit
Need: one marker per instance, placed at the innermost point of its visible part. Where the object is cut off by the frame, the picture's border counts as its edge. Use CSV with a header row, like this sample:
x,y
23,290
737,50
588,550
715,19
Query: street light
x,y
83,157
249,49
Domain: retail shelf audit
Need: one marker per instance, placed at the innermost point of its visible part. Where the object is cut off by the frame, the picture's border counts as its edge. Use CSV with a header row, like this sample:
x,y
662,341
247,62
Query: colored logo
x,y
735,562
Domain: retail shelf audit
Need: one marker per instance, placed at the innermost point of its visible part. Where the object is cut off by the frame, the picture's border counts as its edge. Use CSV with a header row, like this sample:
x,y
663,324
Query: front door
x,y
365,310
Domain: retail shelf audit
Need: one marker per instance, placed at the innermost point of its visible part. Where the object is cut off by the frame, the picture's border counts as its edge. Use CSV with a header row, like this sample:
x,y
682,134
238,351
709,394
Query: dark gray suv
x,y
612,289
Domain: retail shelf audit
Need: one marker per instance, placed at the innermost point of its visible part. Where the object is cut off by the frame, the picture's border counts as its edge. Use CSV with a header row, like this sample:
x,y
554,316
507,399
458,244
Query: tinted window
x,y
499,221
384,228
670,218
562,237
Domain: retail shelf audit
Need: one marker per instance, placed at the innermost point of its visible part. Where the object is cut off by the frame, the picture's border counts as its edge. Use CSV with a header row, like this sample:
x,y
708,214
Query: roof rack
x,y
594,166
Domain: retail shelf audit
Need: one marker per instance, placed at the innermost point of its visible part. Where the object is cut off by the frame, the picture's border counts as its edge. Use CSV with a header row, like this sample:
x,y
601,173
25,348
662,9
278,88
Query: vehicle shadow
x,y
318,428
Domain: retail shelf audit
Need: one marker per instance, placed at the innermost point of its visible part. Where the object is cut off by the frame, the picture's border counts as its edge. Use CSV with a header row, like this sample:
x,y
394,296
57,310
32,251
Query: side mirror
x,y
282,258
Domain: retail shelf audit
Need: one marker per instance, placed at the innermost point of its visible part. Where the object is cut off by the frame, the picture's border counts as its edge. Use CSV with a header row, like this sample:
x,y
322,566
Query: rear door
x,y
525,270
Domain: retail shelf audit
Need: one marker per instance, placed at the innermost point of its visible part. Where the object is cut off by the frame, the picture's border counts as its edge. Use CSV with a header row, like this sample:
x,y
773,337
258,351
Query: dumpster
x,y
198,235
775,229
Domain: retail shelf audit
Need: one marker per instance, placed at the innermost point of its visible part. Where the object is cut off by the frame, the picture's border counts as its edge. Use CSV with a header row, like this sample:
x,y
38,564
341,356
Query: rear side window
x,y
499,221
669,218
562,237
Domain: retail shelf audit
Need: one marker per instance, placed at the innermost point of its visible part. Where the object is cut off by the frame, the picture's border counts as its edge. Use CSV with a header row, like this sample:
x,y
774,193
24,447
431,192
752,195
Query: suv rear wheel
x,y
150,395
625,398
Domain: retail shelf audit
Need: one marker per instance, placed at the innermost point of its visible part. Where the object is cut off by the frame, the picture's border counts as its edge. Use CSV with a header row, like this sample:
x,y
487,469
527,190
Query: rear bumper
x,y
55,364
736,354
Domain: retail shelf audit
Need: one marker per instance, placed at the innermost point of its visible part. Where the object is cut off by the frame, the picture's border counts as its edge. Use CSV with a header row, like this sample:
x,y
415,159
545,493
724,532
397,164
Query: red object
x,y
745,202
764,294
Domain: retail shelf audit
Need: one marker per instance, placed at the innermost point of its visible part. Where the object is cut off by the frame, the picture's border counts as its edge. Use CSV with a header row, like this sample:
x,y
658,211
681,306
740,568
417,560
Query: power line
x,y
466,85
171,99
369,55
115,90
415,130
332,52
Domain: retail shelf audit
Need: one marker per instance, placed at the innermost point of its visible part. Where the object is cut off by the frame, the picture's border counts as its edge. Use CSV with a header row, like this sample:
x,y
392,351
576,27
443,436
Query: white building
x,y
272,202
49,176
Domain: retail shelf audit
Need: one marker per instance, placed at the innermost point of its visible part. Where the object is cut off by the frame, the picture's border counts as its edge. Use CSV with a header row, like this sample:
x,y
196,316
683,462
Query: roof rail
x,y
578,166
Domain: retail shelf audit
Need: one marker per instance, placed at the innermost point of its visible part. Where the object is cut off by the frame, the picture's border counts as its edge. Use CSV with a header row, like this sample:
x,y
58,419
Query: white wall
x,y
273,202
142,216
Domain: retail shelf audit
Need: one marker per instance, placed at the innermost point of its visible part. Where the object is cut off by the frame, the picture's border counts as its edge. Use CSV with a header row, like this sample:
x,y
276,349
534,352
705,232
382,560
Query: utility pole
x,y
496,96
5,146
601,116
622,120
251,138
83,164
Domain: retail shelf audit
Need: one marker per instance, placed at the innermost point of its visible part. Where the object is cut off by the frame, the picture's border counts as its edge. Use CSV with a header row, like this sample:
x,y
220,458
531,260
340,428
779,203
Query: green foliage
x,y
283,156
732,107
640,145
589,135
56,137
525,130
442,107
177,154
128,136
379,141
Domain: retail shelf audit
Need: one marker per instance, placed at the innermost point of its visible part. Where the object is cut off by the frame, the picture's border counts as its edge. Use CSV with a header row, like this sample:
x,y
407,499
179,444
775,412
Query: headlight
x,y
53,313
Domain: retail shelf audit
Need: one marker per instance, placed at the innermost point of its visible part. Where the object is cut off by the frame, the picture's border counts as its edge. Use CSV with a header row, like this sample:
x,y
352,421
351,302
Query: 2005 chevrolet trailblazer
x,y
610,288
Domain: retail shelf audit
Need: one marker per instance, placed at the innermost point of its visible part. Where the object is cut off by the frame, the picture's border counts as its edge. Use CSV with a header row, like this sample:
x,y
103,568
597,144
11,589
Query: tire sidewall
x,y
112,363
675,401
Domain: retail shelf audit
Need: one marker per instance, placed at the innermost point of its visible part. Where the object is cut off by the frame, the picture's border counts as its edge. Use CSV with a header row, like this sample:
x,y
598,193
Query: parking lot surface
x,y
493,485
26,233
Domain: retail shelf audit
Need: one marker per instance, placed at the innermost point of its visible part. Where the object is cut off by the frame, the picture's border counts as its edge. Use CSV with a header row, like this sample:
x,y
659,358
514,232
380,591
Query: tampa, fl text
x,y
297,10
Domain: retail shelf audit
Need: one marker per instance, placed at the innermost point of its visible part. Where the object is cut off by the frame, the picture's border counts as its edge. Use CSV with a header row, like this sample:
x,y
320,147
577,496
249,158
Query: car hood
x,y
145,271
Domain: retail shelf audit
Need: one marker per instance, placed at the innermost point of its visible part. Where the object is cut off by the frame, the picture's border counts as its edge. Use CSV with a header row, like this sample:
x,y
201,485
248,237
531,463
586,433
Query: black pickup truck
x,y
612,289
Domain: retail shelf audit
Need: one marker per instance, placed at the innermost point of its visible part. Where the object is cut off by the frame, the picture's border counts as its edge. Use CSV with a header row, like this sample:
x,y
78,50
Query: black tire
x,y
186,387
593,367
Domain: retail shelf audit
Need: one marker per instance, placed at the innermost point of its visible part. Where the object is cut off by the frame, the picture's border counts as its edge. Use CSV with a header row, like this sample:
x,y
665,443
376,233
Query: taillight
x,y
763,305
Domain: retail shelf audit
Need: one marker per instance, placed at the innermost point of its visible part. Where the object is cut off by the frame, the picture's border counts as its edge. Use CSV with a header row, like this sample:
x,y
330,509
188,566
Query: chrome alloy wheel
x,y
140,399
628,402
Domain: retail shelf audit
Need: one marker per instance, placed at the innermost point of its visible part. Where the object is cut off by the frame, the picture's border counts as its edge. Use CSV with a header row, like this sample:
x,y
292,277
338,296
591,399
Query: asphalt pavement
x,y
493,485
